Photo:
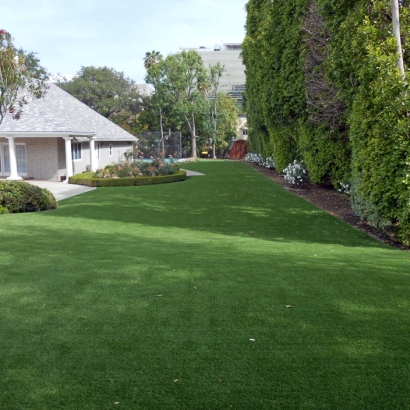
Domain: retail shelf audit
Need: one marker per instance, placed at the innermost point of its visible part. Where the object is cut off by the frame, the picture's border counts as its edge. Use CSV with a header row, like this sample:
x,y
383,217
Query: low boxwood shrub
x,y
87,178
19,196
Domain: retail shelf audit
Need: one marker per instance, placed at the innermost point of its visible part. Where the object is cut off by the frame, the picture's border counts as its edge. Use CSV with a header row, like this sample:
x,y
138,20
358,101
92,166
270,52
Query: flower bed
x,y
133,170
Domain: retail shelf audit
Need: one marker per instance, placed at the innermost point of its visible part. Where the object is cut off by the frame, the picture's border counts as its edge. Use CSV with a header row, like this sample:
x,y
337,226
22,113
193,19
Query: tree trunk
x,y
396,32
193,138
162,133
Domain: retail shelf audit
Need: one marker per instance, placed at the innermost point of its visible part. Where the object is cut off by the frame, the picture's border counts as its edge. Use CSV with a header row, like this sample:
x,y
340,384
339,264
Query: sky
x,y
69,34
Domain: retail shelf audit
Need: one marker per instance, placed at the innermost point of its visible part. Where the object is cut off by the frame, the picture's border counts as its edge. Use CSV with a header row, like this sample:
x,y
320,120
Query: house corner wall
x,y
42,160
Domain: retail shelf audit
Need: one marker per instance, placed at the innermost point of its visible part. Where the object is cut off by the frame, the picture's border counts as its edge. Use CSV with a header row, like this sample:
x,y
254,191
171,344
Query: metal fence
x,y
152,145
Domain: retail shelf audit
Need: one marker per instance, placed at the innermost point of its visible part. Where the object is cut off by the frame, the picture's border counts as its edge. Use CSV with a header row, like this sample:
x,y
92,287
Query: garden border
x,y
87,179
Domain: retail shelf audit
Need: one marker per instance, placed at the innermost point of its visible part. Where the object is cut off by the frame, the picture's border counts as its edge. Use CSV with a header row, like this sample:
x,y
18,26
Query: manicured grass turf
x,y
150,296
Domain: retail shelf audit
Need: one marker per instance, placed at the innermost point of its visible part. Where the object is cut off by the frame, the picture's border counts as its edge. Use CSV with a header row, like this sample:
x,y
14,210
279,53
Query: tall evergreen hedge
x,y
323,85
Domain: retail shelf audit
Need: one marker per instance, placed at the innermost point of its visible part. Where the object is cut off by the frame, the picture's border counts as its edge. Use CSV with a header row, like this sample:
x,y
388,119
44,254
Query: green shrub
x,y
19,196
3,210
86,178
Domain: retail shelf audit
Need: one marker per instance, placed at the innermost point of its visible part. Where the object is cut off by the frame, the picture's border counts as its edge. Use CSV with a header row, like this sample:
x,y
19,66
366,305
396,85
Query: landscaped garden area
x,y
133,170
222,291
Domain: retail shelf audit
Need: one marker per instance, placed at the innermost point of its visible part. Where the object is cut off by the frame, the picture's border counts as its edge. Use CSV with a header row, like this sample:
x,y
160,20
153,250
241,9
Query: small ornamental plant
x,y
295,173
270,163
134,153
344,188
255,158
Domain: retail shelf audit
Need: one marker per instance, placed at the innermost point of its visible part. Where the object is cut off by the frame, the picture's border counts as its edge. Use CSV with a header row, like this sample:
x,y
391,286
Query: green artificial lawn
x,y
150,297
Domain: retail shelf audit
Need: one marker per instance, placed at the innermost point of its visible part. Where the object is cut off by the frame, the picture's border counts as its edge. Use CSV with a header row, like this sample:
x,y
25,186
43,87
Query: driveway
x,y
61,190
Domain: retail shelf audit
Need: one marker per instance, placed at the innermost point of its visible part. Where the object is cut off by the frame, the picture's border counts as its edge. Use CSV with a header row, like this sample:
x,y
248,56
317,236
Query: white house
x,y
58,136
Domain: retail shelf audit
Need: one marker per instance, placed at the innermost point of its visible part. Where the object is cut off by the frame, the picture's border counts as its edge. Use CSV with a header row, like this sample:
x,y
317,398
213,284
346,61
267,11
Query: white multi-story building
x,y
233,79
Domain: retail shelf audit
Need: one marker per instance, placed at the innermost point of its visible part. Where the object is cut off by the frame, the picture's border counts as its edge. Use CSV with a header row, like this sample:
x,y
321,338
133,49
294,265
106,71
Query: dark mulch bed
x,y
335,203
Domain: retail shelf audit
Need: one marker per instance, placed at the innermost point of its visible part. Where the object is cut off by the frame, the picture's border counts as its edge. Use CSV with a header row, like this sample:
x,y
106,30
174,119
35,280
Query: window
x,y
20,158
76,150
244,132
110,150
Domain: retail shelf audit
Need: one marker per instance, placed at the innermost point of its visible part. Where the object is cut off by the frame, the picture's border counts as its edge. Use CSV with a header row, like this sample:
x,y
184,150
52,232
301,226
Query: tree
x,y
182,81
16,82
32,64
215,74
152,58
154,77
106,91
396,32
226,120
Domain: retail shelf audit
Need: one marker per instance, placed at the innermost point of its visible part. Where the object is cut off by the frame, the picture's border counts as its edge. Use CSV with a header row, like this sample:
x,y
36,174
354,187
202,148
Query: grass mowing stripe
x,y
149,296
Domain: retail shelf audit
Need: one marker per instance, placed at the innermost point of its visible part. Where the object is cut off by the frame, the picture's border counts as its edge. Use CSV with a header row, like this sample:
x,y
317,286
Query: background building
x,y
144,89
233,79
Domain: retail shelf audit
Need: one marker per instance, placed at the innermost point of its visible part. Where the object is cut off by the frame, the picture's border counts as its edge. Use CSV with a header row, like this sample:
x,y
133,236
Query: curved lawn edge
x,y
87,179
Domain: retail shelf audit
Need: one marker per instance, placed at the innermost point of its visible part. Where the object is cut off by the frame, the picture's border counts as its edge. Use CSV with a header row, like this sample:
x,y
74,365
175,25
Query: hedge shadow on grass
x,y
84,325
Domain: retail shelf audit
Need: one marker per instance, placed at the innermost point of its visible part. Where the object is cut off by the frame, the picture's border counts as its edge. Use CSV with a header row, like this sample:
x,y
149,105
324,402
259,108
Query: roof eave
x,y
46,134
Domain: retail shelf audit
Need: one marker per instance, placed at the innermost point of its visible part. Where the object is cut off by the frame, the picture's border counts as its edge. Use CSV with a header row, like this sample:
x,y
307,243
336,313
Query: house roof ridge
x,y
58,111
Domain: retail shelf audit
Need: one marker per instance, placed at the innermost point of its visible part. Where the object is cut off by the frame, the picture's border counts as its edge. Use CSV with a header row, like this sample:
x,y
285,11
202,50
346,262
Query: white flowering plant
x,y
269,162
344,188
253,157
295,173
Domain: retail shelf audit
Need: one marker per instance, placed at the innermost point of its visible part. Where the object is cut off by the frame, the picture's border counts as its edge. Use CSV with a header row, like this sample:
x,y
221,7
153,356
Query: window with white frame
x,y
76,150
244,132
20,151
110,147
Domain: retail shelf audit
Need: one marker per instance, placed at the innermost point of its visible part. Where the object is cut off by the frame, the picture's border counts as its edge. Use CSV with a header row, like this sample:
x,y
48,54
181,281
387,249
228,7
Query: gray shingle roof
x,y
59,112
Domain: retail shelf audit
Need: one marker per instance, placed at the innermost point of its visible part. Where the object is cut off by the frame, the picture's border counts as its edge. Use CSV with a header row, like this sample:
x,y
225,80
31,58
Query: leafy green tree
x,y
32,64
106,91
16,81
225,127
181,80
154,77
215,74
227,120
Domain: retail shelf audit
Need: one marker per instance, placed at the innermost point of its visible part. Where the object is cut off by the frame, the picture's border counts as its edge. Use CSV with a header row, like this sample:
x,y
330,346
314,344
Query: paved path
x,y
192,173
61,190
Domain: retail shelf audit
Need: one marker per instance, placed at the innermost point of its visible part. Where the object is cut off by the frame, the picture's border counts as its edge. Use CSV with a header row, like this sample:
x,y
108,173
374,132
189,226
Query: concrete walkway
x,y
192,173
61,190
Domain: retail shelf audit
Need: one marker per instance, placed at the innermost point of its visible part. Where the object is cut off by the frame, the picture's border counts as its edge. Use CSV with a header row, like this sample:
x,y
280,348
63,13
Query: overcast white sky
x,y
68,34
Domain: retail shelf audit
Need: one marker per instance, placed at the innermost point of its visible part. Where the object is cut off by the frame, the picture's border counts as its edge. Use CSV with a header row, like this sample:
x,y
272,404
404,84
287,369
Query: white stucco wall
x,y
41,156
118,149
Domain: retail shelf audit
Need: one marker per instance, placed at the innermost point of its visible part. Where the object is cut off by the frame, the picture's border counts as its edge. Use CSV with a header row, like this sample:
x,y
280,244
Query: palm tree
x,y
151,58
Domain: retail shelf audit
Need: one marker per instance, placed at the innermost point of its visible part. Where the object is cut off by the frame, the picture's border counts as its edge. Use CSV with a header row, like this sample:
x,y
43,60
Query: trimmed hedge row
x,y
86,178
323,86
19,196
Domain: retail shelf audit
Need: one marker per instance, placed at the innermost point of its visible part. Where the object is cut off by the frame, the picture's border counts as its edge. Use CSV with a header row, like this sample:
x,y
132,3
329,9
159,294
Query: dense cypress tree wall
x,y
323,85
